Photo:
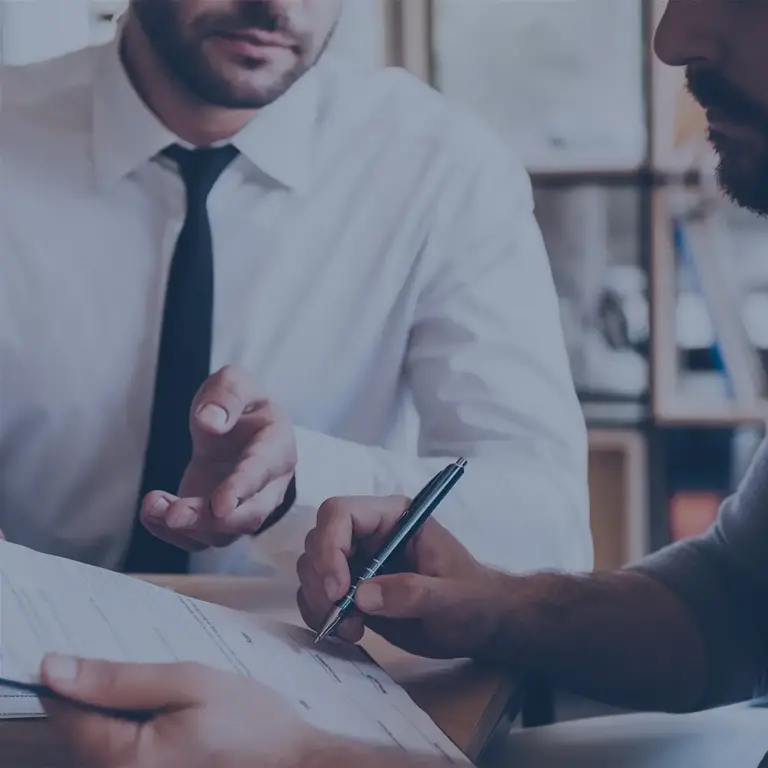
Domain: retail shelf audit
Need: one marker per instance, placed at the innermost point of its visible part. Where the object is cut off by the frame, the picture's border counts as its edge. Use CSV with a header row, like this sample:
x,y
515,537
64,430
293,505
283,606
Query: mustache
x,y
248,15
713,91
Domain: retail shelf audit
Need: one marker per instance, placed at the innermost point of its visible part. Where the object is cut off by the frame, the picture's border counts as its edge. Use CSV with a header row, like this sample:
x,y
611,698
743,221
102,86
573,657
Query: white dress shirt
x,y
376,256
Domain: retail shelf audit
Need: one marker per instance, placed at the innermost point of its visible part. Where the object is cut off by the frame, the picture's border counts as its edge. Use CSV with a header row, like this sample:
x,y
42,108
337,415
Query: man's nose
x,y
690,31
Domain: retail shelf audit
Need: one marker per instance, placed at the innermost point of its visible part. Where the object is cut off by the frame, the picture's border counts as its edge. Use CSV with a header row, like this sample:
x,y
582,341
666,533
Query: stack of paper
x,y
50,604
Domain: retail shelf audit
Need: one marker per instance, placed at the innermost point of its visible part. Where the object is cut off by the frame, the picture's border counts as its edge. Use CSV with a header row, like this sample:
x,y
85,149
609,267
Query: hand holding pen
x,y
435,599
406,527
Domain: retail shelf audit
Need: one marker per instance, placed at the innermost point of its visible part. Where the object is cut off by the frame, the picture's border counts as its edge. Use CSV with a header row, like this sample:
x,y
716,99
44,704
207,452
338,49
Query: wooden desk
x,y
465,701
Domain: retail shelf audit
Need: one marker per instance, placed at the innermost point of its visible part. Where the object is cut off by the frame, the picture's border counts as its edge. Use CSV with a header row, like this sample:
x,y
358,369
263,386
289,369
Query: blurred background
x,y
663,285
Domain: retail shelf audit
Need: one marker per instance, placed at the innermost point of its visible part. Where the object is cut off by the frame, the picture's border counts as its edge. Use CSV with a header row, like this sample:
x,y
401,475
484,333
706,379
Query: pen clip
x,y
421,495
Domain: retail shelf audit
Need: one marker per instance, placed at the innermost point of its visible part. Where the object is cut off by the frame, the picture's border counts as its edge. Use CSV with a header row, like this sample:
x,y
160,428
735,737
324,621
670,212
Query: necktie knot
x,y
201,168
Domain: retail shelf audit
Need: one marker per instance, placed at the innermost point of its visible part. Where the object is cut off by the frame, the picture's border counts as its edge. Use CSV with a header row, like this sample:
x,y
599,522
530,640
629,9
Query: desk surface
x,y
465,701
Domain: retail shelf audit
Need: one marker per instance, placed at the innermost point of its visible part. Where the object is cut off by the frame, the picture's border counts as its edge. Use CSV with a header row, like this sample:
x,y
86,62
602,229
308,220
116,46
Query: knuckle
x,y
229,374
230,382
330,510
301,567
240,481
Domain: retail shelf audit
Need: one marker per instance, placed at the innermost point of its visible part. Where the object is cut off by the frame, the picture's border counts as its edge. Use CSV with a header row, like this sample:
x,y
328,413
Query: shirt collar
x,y
127,134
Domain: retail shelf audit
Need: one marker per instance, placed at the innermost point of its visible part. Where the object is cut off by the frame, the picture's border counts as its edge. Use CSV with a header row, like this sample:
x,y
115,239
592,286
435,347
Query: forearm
x,y
516,509
621,638
682,629
332,752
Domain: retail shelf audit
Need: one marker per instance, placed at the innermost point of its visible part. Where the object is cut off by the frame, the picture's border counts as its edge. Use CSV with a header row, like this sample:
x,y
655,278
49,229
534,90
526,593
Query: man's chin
x,y
747,189
742,174
228,94
241,87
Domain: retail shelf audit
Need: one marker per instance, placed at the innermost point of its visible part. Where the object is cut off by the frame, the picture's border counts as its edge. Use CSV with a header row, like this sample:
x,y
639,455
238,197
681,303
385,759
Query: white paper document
x,y
49,604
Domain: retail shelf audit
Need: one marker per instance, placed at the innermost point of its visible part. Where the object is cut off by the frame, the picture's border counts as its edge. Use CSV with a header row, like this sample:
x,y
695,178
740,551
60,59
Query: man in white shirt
x,y
375,248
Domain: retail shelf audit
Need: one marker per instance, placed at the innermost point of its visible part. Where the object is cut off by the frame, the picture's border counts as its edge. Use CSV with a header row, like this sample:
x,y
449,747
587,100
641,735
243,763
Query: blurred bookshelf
x,y
574,74
663,284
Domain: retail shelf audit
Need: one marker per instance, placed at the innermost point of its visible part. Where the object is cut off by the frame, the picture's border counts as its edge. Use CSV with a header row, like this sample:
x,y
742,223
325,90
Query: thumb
x,y
124,686
404,596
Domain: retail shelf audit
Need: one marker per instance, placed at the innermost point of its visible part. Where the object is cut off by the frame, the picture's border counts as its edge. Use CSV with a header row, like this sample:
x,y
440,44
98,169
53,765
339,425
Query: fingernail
x,y
370,598
214,416
331,588
182,518
62,668
159,507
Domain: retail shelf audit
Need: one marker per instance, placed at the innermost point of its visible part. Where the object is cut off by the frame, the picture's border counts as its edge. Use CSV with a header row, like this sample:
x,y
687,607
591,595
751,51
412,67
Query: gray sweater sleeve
x,y
722,577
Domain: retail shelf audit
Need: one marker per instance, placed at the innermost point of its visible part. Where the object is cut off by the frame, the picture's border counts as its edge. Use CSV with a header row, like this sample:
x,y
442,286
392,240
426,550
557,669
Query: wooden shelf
x,y
618,496
639,177
682,414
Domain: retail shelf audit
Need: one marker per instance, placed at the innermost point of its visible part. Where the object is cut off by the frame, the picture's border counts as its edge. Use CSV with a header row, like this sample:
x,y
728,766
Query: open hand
x,y
243,462
439,602
199,717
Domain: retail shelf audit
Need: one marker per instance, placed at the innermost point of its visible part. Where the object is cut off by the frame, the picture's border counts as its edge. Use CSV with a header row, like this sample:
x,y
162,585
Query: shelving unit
x,y
617,472
607,201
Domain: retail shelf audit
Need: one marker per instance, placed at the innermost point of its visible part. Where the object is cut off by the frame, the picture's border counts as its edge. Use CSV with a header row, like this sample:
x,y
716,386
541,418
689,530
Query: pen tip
x,y
462,463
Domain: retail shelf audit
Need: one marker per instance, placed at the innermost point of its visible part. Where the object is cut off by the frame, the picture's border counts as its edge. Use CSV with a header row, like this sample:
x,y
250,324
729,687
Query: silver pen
x,y
422,506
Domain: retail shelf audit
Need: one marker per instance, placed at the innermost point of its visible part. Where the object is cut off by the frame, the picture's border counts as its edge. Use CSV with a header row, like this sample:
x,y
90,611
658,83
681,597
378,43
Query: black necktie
x,y
184,359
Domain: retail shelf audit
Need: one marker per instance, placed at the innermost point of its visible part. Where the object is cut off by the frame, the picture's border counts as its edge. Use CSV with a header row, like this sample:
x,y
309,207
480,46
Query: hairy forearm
x,y
621,638
332,752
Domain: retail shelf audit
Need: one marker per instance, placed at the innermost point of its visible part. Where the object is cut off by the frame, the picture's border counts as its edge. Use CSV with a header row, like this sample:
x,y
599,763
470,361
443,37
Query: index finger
x,y
347,526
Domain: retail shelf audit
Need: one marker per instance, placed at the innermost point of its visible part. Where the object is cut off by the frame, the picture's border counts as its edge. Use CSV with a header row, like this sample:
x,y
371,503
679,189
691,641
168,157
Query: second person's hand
x,y
440,602
197,717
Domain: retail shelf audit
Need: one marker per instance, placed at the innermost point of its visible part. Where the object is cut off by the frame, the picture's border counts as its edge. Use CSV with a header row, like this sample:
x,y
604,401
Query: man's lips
x,y
255,40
